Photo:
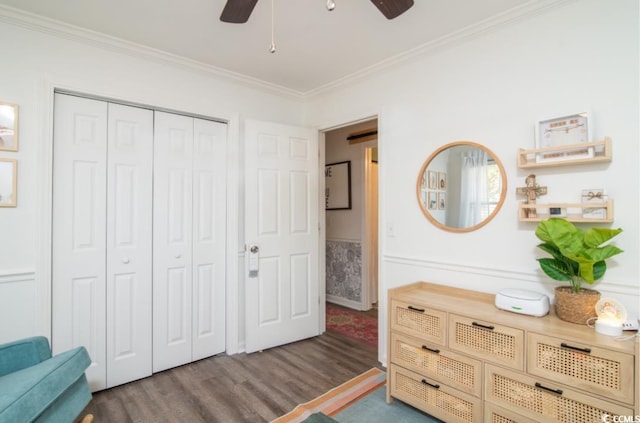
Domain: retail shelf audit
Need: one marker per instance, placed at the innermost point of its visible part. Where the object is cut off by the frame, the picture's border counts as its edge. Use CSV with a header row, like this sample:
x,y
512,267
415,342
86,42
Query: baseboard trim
x,y
344,302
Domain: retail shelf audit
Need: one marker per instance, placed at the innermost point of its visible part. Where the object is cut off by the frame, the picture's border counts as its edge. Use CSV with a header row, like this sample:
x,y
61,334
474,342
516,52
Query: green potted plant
x,y
576,256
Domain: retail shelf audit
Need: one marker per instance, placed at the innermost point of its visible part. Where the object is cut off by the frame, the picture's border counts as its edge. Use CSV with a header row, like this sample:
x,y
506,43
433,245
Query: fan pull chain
x,y
272,48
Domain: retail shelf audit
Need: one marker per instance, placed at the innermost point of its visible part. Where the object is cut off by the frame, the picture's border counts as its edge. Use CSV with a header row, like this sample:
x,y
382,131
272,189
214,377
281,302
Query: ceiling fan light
x,y
331,5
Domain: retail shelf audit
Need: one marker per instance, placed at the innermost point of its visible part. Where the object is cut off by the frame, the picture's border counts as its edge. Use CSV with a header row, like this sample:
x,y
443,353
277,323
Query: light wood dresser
x,y
457,357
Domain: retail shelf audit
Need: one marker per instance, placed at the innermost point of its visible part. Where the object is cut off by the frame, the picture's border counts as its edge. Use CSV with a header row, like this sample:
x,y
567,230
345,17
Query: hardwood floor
x,y
252,388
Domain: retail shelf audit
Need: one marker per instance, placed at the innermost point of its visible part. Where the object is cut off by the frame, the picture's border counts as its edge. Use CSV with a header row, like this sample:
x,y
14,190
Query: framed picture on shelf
x,y
8,127
563,131
8,182
596,197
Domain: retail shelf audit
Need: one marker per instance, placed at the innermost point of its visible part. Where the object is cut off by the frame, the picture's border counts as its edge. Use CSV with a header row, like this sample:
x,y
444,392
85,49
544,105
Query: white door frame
x,y
370,233
45,95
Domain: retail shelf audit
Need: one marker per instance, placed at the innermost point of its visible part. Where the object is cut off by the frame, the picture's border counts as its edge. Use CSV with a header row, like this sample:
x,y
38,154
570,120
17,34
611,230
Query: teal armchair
x,y
36,387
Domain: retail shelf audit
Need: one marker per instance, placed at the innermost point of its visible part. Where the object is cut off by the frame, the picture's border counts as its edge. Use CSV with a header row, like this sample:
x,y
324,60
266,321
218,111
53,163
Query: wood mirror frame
x,y
425,188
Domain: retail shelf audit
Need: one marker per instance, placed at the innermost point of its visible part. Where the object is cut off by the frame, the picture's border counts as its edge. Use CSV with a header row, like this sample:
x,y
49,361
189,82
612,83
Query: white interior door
x,y
79,231
129,243
209,237
281,183
172,243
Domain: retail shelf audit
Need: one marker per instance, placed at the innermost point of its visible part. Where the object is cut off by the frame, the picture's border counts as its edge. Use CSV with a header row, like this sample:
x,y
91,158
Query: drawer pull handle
x,y
430,384
555,391
476,324
421,310
571,347
433,350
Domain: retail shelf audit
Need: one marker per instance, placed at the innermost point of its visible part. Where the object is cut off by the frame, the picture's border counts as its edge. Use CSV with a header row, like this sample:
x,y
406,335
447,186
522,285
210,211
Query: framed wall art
x,y
442,180
433,200
8,182
442,200
433,179
337,188
8,127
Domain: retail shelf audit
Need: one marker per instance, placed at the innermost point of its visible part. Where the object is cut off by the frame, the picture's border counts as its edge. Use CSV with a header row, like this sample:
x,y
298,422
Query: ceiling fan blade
x,y
393,8
237,11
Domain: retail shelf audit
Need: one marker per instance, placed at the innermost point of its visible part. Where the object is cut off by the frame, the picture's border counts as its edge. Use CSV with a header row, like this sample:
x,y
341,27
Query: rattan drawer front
x,y
419,321
595,370
543,400
496,414
488,341
436,399
444,366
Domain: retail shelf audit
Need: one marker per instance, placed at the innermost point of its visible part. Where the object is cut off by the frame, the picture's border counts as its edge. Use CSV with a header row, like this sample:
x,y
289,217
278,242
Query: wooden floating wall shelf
x,y
573,212
600,151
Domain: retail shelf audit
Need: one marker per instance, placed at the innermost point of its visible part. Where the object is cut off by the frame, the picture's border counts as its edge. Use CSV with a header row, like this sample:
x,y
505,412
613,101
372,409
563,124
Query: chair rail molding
x,y
505,275
17,276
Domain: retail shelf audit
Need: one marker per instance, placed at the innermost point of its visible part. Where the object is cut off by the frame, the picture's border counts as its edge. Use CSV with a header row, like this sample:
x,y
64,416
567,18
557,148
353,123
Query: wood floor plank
x,y
249,388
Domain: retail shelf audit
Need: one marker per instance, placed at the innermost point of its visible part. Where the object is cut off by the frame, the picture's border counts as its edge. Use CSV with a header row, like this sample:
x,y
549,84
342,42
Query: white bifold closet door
x,y
189,221
102,236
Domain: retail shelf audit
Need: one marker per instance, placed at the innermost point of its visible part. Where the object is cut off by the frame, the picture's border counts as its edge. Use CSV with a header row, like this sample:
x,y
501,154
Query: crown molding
x,y
509,17
60,29
56,28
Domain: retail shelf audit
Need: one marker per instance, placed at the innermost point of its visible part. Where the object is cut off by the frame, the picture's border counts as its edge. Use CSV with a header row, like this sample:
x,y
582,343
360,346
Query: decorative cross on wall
x,y
532,191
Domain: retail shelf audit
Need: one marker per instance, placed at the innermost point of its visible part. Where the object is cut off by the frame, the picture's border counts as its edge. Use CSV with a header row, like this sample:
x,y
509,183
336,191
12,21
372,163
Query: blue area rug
x,y
373,408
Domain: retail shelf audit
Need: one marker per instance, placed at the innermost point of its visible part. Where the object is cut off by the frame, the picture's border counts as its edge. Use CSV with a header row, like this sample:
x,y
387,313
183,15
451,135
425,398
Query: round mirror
x,y
461,186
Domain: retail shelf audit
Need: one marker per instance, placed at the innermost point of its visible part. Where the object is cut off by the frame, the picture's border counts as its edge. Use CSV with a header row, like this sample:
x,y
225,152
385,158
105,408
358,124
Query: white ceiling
x,y
315,47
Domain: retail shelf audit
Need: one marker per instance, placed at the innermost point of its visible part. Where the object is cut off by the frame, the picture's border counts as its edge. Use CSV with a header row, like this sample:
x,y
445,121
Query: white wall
x,y
492,88
33,63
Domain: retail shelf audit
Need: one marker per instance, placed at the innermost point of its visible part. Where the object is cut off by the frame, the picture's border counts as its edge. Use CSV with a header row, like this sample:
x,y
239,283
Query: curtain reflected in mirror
x,y
461,186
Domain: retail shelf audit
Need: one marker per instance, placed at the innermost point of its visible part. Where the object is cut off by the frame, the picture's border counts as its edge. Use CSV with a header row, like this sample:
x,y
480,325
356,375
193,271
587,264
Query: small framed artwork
x,y
337,189
8,127
563,131
433,200
433,179
442,180
442,200
8,182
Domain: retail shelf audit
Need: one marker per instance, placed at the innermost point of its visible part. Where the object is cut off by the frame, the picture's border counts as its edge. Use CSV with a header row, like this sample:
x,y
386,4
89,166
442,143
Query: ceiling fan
x,y
238,11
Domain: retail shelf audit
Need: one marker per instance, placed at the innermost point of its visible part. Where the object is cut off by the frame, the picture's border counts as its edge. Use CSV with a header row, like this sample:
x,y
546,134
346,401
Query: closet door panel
x,y
209,237
172,241
79,230
129,243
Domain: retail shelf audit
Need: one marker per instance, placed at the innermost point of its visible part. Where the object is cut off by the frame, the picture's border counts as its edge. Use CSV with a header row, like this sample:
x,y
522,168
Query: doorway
x,y
351,227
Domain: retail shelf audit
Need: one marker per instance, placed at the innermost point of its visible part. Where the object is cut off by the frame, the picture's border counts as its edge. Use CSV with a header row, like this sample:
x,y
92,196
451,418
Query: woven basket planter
x,y
576,307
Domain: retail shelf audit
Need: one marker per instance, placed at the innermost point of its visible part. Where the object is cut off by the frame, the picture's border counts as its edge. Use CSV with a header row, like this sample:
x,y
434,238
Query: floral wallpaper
x,y
344,269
